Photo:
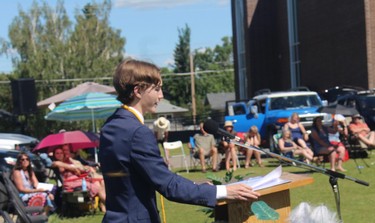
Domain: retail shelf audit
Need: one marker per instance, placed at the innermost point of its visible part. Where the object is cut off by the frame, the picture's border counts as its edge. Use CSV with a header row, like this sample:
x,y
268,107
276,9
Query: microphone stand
x,y
333,175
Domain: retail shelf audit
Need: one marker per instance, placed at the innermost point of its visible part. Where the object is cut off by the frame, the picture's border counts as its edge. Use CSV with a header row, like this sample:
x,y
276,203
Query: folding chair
x,y
24,213
174,146
357,149
6,217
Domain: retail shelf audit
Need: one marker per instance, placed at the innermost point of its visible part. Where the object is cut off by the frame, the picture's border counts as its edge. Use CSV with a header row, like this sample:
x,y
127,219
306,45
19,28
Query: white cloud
x,y
148,4
168,62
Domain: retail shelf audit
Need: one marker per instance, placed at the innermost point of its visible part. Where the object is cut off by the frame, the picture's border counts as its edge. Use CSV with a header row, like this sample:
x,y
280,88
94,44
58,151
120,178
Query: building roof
x,y
165,107
217,100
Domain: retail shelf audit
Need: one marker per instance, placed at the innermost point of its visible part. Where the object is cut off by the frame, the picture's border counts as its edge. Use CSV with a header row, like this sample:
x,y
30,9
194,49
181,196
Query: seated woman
x,y
27,184
290,149
322,145
340,130
230,148
253,139
361,130
299,134
73,175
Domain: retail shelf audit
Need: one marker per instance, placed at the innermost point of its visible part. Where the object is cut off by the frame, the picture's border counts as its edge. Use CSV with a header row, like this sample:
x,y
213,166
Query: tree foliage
x,y
213,72
49,45
182,51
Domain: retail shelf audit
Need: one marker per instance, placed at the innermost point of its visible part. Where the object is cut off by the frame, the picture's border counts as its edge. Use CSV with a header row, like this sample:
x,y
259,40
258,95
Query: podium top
x,y
296,180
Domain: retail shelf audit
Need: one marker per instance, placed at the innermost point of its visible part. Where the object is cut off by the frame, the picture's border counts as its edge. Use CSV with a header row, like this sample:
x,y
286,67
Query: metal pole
x,y
192,79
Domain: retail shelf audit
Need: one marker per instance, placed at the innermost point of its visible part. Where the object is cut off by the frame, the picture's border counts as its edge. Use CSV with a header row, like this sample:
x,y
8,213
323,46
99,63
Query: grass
x,y
356,200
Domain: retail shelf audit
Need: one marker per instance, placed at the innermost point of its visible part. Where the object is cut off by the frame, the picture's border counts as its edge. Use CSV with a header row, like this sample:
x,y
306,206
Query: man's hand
x,y
241,192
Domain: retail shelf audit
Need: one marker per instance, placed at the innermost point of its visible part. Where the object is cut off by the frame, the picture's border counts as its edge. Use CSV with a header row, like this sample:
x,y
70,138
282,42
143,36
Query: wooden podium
x,y
277,197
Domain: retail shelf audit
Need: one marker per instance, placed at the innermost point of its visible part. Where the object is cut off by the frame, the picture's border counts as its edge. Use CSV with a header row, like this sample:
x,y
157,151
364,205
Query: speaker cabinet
x,y
24,96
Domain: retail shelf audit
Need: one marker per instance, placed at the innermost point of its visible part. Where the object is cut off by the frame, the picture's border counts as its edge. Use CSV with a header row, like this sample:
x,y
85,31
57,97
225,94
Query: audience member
x,y
361,131
161,127
340,130
290,149
230,148
322,145
253,139
205,145
73,175
27,184
299,134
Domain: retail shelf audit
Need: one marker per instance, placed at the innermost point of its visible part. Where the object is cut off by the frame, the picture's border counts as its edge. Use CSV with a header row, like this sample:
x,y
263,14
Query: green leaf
x,y
264,212
210,212
215,180
228,176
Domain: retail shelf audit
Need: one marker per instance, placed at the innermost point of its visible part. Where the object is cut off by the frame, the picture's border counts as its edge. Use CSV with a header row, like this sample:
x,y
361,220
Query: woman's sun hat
x,y
228,124
339,117
162,123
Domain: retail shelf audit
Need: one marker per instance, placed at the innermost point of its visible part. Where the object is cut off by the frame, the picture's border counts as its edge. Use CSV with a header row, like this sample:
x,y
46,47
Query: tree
x,y
182,51
95,48
48,48
213,73
178,88
32,34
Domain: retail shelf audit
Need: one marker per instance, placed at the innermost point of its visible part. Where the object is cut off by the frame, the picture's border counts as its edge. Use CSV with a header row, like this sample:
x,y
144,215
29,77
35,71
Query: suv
x,y
333,93
364,102
270,111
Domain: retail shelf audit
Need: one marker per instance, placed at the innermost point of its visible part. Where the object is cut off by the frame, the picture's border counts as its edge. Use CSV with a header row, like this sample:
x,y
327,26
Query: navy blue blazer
x,y
134,170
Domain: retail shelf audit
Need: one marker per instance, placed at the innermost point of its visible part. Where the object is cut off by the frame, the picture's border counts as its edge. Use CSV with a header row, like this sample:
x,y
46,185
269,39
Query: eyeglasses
x,y
23,159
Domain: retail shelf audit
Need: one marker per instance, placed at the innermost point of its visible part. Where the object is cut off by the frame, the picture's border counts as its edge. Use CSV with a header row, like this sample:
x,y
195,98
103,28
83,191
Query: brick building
x,y
281,44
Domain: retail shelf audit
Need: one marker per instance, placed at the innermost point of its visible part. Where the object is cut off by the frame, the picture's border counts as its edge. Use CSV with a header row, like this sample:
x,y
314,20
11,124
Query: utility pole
x,y
192,80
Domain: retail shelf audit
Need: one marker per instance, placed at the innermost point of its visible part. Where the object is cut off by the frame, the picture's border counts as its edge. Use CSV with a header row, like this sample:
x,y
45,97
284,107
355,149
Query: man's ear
x,y
137,92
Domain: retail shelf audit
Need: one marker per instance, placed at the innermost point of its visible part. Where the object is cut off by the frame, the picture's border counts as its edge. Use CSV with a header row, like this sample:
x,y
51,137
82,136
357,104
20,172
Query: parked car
x,y
14,140
364,102
331,94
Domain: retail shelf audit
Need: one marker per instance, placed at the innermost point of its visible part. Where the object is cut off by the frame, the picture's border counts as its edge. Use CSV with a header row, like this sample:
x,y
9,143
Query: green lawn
x,y
356,200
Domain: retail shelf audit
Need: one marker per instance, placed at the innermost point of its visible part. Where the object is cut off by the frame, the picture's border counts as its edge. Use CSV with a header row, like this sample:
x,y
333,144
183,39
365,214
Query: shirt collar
x,y
136,113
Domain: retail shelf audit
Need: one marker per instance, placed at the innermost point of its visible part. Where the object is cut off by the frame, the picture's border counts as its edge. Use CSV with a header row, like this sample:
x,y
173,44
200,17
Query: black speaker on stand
x,y
24,96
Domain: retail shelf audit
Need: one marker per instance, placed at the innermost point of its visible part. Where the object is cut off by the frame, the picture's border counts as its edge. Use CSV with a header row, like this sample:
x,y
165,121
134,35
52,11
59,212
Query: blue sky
x,y
149,26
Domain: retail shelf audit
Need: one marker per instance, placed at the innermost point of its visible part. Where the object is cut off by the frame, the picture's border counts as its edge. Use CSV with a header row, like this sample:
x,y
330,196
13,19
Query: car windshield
x,y
290,102
366,102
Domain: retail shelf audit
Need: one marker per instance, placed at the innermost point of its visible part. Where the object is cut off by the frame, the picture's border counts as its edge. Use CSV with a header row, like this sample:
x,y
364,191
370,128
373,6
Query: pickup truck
x,y
270,111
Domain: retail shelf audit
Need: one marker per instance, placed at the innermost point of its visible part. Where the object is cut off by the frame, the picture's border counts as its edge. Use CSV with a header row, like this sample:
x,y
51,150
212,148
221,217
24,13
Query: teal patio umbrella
x,y
89,106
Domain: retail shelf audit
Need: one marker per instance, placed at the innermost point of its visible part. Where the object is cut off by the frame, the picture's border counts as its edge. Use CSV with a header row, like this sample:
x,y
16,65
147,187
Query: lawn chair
x,y
17,207
194,156
357,149
74,202
6,216
177,145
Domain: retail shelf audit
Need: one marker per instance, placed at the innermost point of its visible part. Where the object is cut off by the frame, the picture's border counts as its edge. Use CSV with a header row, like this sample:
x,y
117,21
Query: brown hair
x,y
253,129
131,73
18,165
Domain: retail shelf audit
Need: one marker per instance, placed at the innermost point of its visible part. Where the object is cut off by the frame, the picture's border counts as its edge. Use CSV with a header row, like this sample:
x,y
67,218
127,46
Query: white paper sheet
x,y
45,186
269,180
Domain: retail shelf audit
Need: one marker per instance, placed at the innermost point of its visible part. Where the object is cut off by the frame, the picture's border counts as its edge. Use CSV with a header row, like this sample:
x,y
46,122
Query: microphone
x,y
212,127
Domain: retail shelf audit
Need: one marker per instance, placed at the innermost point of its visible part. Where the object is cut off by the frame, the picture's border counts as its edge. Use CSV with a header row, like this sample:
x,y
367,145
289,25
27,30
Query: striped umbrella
x,y
88,106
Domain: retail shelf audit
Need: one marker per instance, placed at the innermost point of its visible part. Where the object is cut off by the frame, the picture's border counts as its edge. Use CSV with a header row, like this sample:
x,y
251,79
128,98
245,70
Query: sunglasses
x,y
23,159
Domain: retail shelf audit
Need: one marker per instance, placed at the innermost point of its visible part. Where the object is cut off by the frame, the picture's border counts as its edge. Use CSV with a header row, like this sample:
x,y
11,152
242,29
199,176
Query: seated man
x,y
361,130
205,145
